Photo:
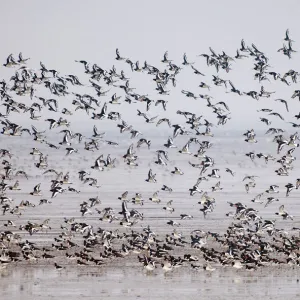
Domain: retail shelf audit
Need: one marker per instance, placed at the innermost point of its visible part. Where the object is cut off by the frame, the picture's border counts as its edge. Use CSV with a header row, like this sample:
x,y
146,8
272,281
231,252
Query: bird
x,y
99,164
196,71
143,141
118,55
297,183
185,149
276,114
230,171
155,198
160,121
163,103
71,150
195,189
36,190
166,188
208,268
169,207
284,102
170,143
58,267
177,171
272,189
289,188
287,38
96,134
151,176
214,173
284,214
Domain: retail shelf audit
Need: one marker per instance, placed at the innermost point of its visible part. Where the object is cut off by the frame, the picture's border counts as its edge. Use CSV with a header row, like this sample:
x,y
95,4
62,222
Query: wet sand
x,y
133,283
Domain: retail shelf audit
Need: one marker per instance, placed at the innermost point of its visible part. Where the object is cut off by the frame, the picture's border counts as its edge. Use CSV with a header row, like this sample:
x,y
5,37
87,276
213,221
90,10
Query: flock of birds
x,y
250,242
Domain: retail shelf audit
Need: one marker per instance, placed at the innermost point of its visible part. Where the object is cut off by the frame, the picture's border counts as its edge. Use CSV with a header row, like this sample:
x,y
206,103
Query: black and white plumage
x,y
151,176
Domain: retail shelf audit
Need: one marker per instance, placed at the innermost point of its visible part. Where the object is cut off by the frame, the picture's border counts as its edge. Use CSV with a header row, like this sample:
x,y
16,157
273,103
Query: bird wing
x,y
99,159
212,51
130,149
37,187
287,34
95,130
150,173
159,122
255,48
280,116
140,142
124,207
194,69
51,120
152,119
22,173
166,55
155,195
148,105
124,123
51,171
104,108
243,43
281,209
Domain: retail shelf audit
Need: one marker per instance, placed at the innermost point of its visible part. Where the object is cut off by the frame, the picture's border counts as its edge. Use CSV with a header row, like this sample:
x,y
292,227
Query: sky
x,y
60,32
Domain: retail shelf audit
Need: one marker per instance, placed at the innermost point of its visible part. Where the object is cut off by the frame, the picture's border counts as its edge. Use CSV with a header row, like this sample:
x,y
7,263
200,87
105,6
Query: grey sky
x,y
58,32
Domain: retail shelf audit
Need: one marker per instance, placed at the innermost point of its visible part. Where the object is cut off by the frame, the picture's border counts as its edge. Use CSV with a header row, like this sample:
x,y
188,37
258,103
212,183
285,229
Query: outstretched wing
x,y
150,173
281,209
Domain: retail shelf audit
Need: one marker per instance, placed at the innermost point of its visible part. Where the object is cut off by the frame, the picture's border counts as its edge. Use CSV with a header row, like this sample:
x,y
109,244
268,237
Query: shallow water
x,y
133,283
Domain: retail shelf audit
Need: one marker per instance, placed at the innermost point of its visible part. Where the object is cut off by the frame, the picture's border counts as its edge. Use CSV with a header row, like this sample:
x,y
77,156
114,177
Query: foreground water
x,y
133,283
